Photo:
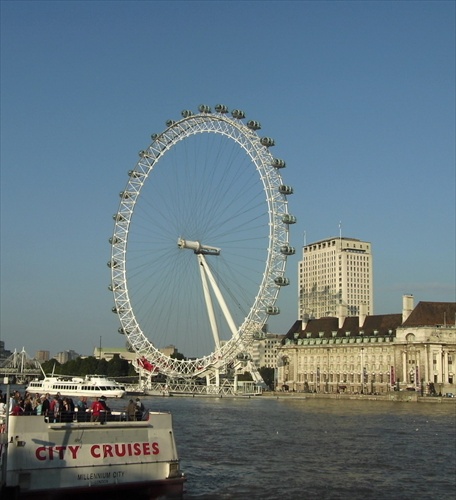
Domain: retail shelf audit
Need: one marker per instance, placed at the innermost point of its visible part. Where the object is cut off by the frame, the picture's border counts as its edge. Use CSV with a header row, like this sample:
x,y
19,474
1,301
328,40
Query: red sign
x,y
43,453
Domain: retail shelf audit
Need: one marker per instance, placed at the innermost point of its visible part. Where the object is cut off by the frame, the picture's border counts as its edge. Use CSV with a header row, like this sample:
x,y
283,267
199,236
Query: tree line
x,y
114,368
118,368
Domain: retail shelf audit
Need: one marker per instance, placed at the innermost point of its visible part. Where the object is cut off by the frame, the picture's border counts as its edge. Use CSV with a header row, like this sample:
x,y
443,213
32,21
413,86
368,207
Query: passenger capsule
x,y
272,310
121,331
278,163
125,195
113,240
186,113
283,189
237,113
134,174
259,335
170,123
112,264
204,109
287,250
119,218
289,219
252,124
267,141
221,108
143,154
154,137
281,281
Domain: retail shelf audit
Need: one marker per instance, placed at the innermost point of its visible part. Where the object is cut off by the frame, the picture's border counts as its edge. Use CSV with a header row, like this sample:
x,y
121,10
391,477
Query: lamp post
x,y
327,370
4,466
362,370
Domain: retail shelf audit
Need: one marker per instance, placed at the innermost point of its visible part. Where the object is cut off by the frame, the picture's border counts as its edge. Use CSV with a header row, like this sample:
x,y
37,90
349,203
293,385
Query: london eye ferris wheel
x,y
200,242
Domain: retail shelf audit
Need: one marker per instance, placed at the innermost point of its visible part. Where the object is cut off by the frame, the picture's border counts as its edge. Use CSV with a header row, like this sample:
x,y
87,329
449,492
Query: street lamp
x,y
362,370
327,371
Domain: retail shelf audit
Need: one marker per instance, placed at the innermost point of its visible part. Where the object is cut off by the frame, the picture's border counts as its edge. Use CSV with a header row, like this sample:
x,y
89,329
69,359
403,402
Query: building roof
x,y
381,324
432,314
424,314
340,238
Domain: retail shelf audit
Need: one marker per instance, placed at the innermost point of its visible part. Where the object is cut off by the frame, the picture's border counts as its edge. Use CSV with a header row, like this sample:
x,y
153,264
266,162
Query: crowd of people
x,y
62,409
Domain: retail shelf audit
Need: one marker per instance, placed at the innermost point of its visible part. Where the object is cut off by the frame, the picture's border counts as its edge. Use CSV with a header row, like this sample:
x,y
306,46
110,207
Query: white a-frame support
x,y
207,279
206,273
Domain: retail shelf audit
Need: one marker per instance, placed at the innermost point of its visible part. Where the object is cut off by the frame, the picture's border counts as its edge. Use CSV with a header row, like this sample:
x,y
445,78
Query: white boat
x,y
91,386
45,460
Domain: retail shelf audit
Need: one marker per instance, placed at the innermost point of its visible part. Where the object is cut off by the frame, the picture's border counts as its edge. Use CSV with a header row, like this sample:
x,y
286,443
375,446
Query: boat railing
x,y
79,416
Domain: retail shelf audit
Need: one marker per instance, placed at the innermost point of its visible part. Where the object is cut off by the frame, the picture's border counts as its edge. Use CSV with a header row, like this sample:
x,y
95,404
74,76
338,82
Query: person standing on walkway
x,y
140,410
131,410
96,409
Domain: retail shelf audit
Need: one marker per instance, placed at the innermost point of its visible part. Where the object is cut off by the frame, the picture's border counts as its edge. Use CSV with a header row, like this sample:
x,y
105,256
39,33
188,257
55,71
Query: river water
x,y
269,448
264,448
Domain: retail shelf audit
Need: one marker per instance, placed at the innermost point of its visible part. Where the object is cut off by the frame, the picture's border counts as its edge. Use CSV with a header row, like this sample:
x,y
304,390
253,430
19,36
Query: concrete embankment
x,y
404,396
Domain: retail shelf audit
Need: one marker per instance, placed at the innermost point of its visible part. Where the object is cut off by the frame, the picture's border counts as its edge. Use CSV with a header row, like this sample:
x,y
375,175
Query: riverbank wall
x,y
405,397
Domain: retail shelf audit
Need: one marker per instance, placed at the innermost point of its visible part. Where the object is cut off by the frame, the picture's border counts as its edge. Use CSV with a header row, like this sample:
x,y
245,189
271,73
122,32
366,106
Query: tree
x,y
102,367
72,367
117,367
90,365
51,366
268,376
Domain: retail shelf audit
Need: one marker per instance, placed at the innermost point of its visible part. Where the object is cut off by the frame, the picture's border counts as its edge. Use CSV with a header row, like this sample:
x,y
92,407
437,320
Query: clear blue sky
x,y
359,97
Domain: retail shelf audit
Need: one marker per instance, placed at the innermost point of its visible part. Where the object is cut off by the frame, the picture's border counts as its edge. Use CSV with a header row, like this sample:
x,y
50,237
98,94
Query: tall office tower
x,y
335,273
42,356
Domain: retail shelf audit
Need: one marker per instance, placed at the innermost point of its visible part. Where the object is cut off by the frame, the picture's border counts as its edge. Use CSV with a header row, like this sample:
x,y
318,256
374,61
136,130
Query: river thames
x,y
269,448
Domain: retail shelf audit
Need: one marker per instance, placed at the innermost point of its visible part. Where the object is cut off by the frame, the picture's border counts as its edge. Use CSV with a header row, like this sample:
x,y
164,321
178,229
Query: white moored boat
x,y
91,386
45,460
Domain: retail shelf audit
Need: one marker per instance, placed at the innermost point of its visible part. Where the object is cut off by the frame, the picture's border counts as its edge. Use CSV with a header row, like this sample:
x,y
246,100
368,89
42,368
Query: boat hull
x,y
92,386
168,489
64,460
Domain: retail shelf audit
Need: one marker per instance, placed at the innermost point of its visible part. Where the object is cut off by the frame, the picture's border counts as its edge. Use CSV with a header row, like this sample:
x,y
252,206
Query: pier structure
x,y
20,367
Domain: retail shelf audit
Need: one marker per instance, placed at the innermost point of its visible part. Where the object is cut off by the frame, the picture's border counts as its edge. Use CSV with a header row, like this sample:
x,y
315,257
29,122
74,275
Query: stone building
x,y
65,356
42,356
425,346
264,351
414,350
332,272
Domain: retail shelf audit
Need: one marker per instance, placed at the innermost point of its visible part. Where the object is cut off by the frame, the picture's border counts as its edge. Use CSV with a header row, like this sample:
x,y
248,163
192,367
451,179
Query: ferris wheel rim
x,y
276,200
